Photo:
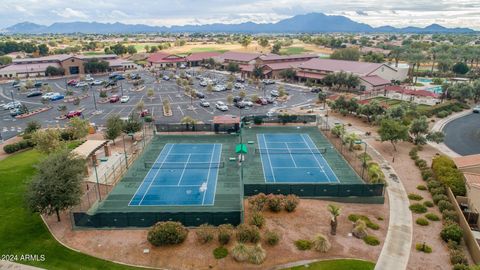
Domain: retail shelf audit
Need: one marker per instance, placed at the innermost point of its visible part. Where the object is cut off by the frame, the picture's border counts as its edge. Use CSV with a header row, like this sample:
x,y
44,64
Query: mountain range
x,y
307,23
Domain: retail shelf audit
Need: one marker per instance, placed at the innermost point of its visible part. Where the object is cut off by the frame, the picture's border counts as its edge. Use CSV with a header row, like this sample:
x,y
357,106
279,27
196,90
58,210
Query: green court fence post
x,y
98,184
125,151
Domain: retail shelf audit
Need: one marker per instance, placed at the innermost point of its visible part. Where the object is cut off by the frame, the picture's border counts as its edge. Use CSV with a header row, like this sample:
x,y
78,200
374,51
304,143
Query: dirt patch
x,y
310,218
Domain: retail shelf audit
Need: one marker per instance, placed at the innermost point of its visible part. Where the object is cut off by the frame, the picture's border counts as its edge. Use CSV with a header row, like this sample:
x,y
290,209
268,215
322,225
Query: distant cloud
x,y
69,13
361,13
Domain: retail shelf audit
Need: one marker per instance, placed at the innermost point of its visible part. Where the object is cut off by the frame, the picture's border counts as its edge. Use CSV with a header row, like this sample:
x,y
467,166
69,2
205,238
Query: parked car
x,y
248,102
72,114
176,77
39,84
166,78
240,104
268,81
96,82
124,99
219,88
72,82
204,103
274,93
114,98
49,95
17,86
88,78
316,90
203,83
262,101
199,94
476,109
12,105
34,94
135,76
110,83
183,66
81,84
144,113
241,80
57,96
238,85
15,83
16,111
221,106
199,77
237,99
271,99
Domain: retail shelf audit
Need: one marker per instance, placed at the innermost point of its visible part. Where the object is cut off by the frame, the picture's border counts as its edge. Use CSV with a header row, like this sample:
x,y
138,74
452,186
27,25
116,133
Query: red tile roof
x,y
284,65
402,90
161,57
375,80
310,75
275,57
472,179
331,65
238,56
201,56
467,161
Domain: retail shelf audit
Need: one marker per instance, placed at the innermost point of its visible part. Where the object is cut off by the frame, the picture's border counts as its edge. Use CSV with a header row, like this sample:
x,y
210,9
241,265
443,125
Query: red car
x,y
262,101
114,98
72,114
72,82
144,113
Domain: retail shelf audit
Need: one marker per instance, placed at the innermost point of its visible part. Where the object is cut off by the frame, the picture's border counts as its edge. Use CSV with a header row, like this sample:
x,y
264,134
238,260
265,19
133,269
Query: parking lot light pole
x,y
94,100
11,94
96,177
364,161
121,87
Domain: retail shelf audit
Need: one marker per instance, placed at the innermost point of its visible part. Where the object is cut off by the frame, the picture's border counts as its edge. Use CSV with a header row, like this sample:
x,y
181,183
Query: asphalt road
x,y
462,135
180,103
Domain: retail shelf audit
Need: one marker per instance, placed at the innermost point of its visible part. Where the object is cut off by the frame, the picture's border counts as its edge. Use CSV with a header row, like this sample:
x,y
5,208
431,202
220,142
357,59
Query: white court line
x,y
291,156
216,176
184,168
328,178
155,176
208,174
269,160
176,186
143,181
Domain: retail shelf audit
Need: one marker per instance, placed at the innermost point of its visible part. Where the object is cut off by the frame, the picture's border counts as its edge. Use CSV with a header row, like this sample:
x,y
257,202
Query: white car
x,y
248,103
476,109
97,82
274,93
124,99
88,78
219,88
49,95
166,78
238,85
203,83
81,84
204,103
12,105
221,106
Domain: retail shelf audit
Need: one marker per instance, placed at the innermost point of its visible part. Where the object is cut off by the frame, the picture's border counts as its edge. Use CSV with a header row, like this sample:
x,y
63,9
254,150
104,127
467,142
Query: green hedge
x,y
446,107
14,147
446,172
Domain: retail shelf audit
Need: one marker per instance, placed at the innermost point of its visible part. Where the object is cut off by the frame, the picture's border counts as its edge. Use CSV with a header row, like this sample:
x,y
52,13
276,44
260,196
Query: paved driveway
x,y
462,135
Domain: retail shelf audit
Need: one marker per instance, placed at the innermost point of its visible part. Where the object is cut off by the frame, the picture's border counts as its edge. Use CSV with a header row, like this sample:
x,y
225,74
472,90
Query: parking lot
x,y
163,90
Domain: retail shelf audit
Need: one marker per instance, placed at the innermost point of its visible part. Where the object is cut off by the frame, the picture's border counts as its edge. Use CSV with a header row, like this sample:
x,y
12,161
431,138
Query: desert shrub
x,y
303,244
461,267
421,187
275,202
421,163
415,197
427,173
321,243
447,173
371,240
445,205
450,215
418,208
205,233
257,219
368,222
220,253
451,231
225,232
422,222
247,233
457,256
272,238
432,217
257,254
167,233
428,203
413,153
443,114
240,252
14,147
433,184
438,190
257,202
291,202
439,197
423,248
360,229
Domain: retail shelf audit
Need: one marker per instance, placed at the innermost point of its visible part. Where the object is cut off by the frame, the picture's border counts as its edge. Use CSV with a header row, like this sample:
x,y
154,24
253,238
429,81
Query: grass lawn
x,y
206,49
393,102
342,264
24,233
293,50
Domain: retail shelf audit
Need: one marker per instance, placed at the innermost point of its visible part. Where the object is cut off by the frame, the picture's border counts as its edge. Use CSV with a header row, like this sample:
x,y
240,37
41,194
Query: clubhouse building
x,y
72,64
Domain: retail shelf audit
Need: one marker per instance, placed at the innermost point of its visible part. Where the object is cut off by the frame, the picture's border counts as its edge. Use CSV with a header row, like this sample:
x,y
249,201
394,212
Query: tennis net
x,y
184,165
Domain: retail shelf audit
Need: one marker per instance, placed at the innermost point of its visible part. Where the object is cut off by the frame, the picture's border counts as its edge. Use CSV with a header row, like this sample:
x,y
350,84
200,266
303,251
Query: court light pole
x,y
364,162
96,177
125,151
94,100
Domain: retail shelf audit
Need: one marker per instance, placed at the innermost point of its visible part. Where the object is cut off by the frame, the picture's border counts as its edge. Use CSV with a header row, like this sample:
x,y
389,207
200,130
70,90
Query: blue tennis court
x,y
182,174
293,158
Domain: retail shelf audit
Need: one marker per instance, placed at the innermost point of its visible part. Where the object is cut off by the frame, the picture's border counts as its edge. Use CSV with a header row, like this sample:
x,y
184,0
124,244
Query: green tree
x,y
460,68
47,140
78,127
351,54
263,42
418,129
114,126
371,110
133,124
5,60
476,90
54,71
42,49
392,131
32,126
233,67
245,41
57,185
276,47
131,49
335,211
288,74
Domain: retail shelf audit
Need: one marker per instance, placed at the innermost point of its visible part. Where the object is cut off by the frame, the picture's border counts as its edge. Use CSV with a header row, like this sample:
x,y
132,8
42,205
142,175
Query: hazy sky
x,y
452,13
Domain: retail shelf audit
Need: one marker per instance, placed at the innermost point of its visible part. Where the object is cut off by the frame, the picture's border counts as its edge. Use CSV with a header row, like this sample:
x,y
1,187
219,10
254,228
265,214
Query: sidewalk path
x,y
16,266
439,125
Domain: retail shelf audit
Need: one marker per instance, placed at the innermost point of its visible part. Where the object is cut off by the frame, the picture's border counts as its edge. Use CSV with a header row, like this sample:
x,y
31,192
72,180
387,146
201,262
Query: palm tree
x,y
335,211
